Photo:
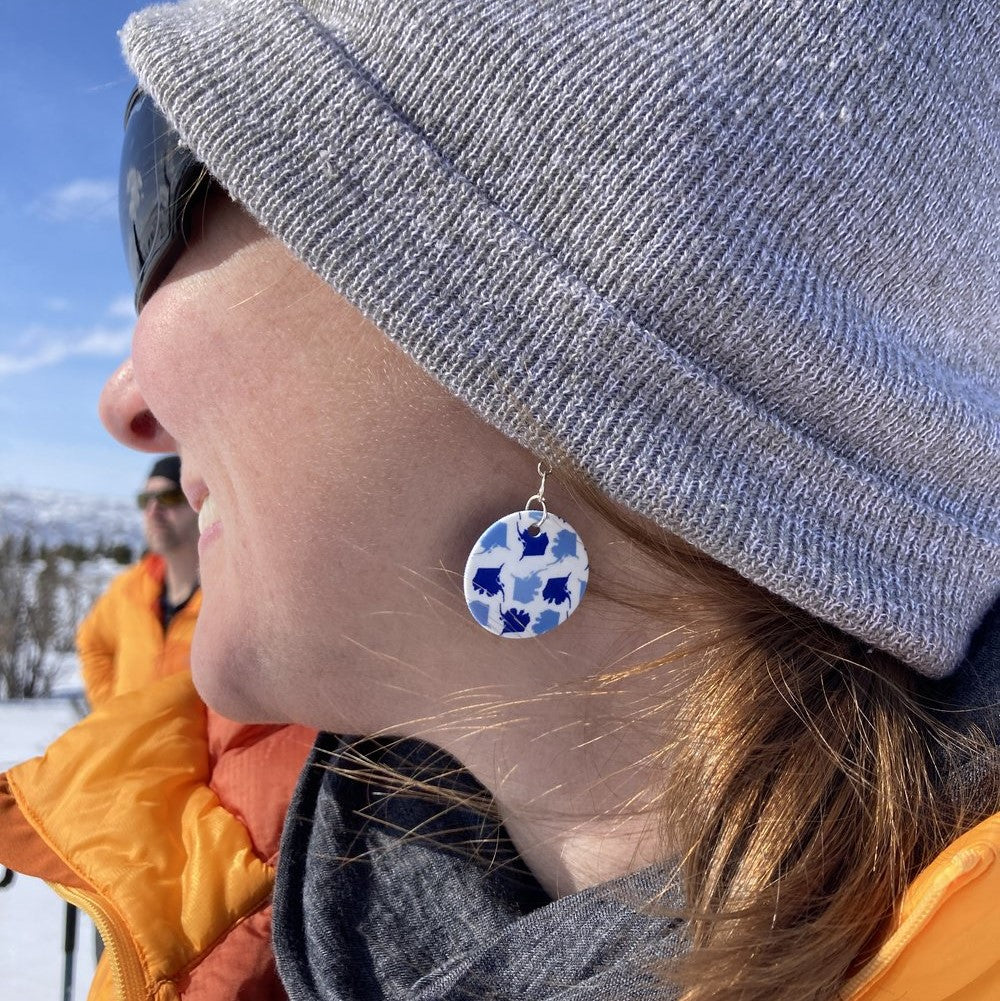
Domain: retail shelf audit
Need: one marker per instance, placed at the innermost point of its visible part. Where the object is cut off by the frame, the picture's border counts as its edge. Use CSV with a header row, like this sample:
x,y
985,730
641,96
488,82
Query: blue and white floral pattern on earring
x,y
526,574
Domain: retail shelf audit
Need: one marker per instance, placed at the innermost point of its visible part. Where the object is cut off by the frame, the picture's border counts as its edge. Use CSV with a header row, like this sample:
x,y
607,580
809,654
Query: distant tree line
x,y
42,598
28,550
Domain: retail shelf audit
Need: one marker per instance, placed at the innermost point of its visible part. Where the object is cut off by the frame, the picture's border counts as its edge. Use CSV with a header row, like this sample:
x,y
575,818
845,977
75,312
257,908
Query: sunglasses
x,y
160,185
171,497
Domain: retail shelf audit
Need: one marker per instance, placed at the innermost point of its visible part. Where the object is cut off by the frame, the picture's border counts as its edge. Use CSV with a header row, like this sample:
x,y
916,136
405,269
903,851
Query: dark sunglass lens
x,y
171,498
157,183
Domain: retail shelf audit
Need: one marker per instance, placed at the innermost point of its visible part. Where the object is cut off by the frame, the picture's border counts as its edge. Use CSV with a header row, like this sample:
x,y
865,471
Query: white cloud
x,y
125,80
53,348
83,199
122,308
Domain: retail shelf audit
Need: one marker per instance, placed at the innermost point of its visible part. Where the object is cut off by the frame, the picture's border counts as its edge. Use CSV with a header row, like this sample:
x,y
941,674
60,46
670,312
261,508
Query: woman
x,y
731,277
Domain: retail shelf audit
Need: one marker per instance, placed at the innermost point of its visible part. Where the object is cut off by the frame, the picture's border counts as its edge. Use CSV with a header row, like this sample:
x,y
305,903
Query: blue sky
x,y
65,298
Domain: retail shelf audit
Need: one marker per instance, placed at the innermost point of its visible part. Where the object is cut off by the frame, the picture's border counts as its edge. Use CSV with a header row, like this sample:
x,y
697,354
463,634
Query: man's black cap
x,y
169,467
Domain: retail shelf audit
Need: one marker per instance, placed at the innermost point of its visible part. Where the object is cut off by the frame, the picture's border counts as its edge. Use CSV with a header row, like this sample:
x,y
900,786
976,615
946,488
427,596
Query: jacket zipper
x,y
126,966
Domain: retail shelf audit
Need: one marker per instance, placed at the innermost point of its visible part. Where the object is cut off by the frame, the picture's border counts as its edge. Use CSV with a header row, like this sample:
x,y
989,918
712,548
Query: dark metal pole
x,y
69,947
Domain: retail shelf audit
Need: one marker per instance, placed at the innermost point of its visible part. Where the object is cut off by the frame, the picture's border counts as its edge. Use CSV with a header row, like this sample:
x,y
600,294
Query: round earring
x,y
528,572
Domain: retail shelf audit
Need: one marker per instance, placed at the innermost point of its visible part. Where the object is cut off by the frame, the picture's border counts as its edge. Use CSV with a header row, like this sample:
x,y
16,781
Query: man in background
x,y
153,776
140,629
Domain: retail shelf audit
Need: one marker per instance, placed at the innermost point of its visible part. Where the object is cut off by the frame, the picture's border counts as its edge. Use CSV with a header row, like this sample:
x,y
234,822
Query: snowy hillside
x,y
50,574
52,517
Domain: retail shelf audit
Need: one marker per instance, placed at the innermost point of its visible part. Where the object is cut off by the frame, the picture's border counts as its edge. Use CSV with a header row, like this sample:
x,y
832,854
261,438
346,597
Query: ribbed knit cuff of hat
x,y
739,261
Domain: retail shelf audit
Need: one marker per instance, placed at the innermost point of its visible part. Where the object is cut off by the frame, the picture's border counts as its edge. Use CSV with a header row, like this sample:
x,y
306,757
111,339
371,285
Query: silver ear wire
x,y
543,471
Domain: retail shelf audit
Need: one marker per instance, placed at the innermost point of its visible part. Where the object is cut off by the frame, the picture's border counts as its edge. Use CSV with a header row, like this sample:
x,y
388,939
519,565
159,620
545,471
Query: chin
x,y
223,674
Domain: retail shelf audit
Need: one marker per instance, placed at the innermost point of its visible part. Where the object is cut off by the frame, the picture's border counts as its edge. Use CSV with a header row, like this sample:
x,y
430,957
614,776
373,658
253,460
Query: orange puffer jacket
x,y
121,642
945,945
161,820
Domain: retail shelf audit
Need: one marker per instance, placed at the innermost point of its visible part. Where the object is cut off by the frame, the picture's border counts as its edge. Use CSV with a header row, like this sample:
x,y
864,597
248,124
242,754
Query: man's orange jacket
x,y
122,644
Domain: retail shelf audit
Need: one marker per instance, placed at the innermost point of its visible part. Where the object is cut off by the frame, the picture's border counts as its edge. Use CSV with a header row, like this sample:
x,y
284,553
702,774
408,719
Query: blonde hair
x,y
807,787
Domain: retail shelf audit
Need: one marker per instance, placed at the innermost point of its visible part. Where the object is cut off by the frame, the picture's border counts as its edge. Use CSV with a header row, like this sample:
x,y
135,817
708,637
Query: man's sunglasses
x,y
160,187
172,497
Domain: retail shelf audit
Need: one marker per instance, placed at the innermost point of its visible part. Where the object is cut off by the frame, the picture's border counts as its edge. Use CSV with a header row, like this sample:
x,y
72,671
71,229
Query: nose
x,y
127,417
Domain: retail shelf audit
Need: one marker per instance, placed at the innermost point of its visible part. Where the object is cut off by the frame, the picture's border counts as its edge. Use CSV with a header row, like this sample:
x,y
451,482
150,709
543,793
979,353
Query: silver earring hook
x,y
543,471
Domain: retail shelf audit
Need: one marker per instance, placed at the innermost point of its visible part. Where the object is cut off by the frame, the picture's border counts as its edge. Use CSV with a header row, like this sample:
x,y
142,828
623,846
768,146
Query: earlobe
x,y
125,414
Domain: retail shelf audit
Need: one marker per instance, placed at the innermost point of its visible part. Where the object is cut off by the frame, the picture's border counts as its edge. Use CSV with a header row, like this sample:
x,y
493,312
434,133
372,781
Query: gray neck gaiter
x,y
383,895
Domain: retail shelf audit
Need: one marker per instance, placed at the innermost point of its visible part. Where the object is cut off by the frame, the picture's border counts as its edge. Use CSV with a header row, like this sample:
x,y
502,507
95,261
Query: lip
x,y
211,533
195,490
209,521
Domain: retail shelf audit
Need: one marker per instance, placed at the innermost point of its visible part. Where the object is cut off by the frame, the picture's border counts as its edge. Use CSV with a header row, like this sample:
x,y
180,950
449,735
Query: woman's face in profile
x,y
333,478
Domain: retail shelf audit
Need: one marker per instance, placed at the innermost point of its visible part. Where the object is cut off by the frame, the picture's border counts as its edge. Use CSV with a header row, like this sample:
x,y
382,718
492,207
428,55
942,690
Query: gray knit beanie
x,y
739,259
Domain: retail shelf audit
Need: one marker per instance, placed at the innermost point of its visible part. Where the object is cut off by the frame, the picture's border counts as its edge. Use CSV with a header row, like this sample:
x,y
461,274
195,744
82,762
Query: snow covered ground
x,y
32,917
